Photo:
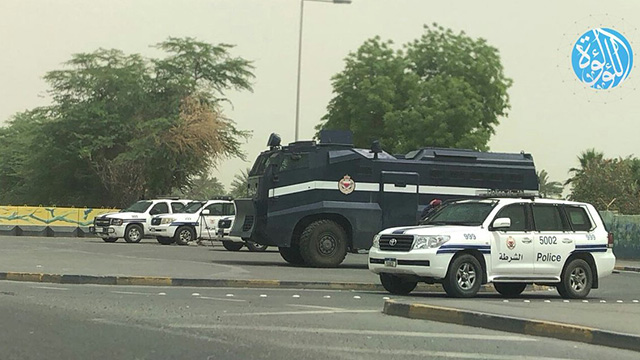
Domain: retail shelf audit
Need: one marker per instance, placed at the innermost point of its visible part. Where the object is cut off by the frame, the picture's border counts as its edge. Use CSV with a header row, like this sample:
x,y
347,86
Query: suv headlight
x,y
429,241
116,222
376,241
166,221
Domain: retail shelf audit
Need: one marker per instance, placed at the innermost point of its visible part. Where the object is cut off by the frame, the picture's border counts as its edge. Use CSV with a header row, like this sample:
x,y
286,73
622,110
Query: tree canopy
x,y
444,89
552,189
122,127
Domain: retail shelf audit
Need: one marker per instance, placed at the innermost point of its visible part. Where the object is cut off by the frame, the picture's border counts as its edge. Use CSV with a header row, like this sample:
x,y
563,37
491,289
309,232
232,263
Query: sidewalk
x,y
628,265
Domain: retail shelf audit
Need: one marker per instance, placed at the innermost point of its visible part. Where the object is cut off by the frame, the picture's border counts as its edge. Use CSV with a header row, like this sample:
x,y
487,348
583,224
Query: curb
x,y
627,268
513,324
238,283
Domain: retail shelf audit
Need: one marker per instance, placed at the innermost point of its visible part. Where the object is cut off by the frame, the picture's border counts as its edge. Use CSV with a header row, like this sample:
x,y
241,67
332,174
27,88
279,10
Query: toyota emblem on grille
x,y
393,242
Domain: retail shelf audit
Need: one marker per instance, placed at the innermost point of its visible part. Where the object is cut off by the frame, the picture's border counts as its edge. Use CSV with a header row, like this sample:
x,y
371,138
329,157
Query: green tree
x,y
239,184
122,127
202,188
552,189
608,184
443,89
586,158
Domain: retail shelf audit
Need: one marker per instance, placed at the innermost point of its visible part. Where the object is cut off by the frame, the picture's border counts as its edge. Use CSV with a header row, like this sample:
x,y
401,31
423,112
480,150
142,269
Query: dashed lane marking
x,y
296,296
221,299
263,295
195,294
327,296
131,293
229,295
162,293
357,297
49,288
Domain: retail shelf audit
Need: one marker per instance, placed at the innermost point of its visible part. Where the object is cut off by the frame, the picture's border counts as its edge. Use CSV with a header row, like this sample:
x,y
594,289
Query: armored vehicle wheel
x,y
576,280
464,277
165,240
232,246
110,240
133,233
291,255
255,247
510,289
396,285
323,244
183,235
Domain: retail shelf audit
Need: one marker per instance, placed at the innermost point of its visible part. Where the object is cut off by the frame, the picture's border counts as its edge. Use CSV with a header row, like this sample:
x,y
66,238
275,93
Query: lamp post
x,y
300,57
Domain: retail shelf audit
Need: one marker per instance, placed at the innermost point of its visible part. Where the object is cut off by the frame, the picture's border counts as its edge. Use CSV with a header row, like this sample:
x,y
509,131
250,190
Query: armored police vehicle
x,y
317,201
510,242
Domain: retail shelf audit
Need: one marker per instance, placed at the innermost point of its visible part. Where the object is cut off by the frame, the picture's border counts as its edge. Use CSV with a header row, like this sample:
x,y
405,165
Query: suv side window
x,y
159,208
229,209
578,218
517,214
547,217
177,207
215,209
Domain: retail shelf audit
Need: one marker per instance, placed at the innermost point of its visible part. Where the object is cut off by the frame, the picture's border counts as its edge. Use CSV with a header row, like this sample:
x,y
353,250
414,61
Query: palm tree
x,y
239,184
585,158
549,188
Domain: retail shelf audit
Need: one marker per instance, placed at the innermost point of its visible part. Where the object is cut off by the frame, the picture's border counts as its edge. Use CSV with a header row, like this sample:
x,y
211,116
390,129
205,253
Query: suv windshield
x,y
465,212
192,207
139,207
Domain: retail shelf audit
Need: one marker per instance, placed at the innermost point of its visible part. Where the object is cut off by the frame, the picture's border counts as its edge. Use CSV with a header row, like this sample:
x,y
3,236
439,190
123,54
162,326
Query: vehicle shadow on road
x,y
284,264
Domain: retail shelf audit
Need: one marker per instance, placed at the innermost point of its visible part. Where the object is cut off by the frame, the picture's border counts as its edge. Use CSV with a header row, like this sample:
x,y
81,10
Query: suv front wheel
x,y
464,277
133,233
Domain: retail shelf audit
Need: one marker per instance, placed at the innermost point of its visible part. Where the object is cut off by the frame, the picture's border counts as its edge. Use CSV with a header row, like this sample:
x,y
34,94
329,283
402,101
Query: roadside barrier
x,y
47,221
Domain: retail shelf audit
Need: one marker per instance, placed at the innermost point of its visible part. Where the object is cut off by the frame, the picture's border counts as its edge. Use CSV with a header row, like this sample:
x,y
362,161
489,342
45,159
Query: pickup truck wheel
x,y
576,280
323,244
184,235
110,240
291,255
255,247
133,233
464,277
396,285
232,246
510,289
165,240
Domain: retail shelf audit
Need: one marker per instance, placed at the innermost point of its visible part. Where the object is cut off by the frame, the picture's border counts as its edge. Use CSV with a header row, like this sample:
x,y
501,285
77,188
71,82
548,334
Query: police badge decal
x,y
346,185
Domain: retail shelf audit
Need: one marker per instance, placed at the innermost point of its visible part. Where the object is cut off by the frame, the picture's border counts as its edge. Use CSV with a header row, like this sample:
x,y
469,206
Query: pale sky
x,y
553,116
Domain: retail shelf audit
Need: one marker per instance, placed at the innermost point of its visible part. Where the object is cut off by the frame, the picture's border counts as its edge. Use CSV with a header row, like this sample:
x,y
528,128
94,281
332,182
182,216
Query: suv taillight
x,y
610,240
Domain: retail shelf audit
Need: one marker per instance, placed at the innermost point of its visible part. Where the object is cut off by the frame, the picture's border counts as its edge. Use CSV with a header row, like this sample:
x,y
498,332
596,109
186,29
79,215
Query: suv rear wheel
x,y
576,280
464,277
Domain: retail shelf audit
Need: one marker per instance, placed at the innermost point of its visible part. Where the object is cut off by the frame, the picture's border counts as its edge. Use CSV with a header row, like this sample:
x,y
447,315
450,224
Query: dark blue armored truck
x,y
318,201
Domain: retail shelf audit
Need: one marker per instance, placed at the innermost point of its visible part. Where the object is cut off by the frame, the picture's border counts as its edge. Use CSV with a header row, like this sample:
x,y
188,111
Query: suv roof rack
x,y
228,198
168,197
508,193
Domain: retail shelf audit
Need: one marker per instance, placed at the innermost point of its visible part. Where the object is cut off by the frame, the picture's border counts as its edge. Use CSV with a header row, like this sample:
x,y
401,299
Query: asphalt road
x,y
45,321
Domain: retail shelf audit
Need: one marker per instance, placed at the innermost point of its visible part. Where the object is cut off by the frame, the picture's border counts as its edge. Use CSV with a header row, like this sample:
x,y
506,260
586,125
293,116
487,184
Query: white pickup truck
x,y
132,223
200,220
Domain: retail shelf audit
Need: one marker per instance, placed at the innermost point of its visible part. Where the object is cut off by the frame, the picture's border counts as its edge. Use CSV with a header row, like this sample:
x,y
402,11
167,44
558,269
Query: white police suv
x,y
207,220
510,242
132,223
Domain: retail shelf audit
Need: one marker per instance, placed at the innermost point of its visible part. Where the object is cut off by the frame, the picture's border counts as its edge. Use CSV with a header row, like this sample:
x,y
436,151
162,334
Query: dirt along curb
x,y
627,268
186,282
513,324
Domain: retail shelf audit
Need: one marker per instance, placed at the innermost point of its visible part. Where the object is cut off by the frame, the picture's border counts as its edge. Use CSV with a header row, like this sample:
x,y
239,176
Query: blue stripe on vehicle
x,y
453,250
591,246
134,220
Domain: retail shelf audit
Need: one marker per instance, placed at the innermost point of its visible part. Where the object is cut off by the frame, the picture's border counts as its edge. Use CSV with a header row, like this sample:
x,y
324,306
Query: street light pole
x,y
297,127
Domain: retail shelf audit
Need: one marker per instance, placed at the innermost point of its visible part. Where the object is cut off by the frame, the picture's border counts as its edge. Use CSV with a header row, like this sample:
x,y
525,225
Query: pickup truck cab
x,y
132,223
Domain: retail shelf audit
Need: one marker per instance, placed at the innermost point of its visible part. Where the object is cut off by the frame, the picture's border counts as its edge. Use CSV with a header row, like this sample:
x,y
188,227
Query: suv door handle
x,y
567,241
527,240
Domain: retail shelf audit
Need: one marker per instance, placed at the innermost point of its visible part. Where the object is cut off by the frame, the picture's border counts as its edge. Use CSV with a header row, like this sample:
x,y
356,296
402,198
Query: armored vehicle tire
x,y
291,255
183,235
323,244
232,246
576,280
133,233
255,247
165,240
510,289
110,240
464,277
396,285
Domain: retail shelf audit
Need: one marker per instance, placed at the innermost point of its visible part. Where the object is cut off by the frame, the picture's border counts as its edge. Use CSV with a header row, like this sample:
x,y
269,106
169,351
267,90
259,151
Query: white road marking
x,y
603,301
263,295
319,312
195,294
327,296
566,301
49,288
385,333
221,299
357,297
385,298
547,301
635,301
316,307
162,293
619,301
296,296
130,293
506,301
585,301
527,301
229,295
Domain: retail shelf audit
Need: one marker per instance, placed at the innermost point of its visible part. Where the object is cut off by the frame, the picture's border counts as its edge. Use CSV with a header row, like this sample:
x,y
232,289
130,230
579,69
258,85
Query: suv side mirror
x,y
501,223
205,212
